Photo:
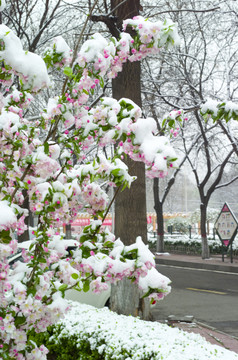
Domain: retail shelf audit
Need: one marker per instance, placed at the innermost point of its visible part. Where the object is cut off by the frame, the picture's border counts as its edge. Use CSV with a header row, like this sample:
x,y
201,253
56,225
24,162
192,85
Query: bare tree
x,y
185,79
38,22
210,157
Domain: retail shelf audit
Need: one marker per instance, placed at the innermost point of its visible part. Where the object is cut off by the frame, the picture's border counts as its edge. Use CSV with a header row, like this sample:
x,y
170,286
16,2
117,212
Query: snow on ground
x,y
139,339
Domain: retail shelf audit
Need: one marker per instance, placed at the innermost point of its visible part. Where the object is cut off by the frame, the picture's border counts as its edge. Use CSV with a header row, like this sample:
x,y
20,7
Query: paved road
x,y
210,296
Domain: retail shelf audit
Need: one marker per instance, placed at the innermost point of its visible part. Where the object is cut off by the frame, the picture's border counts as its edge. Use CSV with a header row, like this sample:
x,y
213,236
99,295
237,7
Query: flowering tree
x,y
36,159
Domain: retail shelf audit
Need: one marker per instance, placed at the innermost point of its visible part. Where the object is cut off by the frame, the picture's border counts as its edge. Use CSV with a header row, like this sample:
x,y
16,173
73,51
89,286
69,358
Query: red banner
x,y
149,219
106,222
81,222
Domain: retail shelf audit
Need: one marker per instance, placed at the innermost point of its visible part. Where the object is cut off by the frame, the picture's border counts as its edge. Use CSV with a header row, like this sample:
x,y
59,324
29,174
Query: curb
x,y
195,265
214,329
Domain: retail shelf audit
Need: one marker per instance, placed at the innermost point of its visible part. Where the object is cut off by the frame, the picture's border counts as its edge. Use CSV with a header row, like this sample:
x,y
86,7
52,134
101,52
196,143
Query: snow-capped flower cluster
x,y
107,57
59,54
220,110
35,76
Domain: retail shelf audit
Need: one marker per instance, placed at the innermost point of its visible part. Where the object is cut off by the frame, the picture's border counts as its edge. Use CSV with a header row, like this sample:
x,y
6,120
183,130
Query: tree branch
x,y
186,10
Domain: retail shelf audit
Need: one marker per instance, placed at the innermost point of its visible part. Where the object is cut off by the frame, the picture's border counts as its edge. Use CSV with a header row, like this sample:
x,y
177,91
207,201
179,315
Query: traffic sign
x,y
226,227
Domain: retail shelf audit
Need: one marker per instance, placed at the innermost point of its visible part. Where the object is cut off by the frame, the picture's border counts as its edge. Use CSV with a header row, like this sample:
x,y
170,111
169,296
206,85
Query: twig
x,y
78,43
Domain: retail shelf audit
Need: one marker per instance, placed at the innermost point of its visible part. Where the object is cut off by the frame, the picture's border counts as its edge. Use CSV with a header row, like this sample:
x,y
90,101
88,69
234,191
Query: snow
x,y
213,106
61,46
7,215
29,66
142,127
178,239
9,120
231,106
58,302
210,105
2,5
152,279
159,254
90,49
139,339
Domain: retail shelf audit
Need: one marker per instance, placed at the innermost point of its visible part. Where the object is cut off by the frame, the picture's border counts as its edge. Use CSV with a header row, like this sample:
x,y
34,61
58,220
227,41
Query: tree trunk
x,y
160,227
68,234
25,205
130,205
205,247
159,214
125,300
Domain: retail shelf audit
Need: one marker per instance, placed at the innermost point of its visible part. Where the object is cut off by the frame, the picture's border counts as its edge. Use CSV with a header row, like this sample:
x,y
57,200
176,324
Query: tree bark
x,y
68,233
130,205
159,214
25,205
205,247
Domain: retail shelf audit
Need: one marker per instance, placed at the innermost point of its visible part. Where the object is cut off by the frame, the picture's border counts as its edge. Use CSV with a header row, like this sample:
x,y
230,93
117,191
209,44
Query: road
x,y
210,296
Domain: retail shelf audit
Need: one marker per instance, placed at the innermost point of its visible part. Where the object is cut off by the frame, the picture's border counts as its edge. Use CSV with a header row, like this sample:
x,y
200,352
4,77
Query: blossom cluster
x,y
45,160
107,57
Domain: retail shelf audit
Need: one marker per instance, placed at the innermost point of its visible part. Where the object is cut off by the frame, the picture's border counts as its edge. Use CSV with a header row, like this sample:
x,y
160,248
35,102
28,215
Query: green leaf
x,y
105,127
5,236
68,71
19,320
86,286
113,40
126,184
75,276
164,122
171,123
46,148
108,244
63,287
31,290
115,172
31,246
101,82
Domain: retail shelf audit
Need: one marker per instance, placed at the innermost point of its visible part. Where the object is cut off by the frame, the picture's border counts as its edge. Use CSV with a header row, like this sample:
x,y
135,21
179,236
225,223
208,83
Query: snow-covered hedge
x,y
194,243
90,333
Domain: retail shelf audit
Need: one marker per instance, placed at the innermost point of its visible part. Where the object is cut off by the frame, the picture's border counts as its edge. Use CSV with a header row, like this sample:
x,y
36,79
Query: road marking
x,y
209,291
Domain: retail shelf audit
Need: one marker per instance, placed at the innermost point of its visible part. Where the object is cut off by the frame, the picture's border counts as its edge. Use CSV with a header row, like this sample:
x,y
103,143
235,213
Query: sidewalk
x,y
215,263
196,262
